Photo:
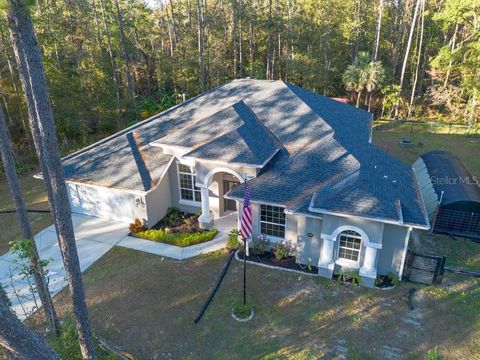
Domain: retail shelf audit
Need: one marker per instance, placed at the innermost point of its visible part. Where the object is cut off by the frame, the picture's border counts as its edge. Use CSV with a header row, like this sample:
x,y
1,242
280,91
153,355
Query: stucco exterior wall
x,y
391,255
309,247
391,237
175,192
158,201
107,203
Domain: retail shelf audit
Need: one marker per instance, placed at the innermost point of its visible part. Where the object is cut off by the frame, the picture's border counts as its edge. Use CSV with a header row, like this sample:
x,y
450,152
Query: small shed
x,y
450,192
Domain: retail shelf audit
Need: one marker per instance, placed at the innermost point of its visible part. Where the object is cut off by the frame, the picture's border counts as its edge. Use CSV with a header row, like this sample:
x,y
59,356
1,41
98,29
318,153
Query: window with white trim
x,y
272,221
186,182
349,245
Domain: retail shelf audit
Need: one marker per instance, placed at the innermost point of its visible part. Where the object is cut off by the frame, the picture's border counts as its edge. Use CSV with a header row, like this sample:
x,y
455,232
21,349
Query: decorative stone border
x,y
385,288
250,317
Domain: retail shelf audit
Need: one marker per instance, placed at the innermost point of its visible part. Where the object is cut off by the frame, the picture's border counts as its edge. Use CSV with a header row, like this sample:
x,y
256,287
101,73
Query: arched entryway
x,y
216,183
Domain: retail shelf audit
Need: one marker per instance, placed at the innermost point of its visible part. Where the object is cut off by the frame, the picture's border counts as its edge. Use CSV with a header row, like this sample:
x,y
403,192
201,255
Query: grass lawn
x,y
35,198
145,305
461,253
465,147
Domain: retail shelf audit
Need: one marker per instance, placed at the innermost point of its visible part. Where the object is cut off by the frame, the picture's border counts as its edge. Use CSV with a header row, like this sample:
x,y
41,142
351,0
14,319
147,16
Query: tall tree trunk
x,y
240,38
32,76
251,43
407,51
20,341
126,58
359,95
452,48
269,43
419,59
17,94
14,186
235,38
379,28
200,39
113,64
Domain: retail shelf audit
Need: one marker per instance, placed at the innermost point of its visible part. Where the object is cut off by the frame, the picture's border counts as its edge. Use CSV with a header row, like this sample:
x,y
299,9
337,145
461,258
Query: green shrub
x,y
259,245
393,279
282,250
232,242
356,278
433,354
172,217
242,310
352,276
177,239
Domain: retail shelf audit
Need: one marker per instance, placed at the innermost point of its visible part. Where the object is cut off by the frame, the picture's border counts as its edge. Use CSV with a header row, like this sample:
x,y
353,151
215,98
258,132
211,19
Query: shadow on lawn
x,y
146,305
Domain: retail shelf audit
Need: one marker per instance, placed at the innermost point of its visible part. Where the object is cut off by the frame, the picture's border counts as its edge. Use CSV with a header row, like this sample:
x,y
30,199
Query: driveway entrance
x,y
94,237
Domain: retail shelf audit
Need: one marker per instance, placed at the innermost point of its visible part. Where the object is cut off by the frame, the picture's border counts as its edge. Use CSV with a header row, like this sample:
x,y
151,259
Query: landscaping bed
x,y
176,228
289,262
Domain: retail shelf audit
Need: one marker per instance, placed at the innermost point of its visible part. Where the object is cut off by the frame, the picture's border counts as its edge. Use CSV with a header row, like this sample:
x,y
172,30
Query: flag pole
x,y
245,257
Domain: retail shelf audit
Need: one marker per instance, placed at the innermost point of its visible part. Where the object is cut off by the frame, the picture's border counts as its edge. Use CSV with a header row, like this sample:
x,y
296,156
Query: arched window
x,y
349,245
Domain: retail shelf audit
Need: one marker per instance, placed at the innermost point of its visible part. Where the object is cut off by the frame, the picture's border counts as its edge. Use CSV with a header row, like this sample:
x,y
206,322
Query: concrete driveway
x,y
94,238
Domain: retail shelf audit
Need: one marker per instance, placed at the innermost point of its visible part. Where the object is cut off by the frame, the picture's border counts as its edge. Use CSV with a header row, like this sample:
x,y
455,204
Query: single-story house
x,y
315,177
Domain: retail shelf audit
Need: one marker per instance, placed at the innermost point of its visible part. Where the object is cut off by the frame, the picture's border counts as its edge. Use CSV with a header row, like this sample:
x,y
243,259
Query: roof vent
x,y
385,177
394,182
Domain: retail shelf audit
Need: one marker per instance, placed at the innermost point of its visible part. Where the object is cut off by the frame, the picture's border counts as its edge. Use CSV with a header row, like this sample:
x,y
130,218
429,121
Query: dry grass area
x,y
461,253
35,198
467,148
145,304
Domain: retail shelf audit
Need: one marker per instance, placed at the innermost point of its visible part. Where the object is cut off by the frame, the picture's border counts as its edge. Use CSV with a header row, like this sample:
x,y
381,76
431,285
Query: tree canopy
x,y
111,63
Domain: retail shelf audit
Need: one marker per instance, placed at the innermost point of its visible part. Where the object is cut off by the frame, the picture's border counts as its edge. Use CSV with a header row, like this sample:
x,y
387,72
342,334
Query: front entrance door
x,y
229,205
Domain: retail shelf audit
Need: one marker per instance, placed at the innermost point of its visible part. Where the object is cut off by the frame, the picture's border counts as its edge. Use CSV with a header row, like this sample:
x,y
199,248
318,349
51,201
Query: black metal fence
x,y
460,223
424,269
426,126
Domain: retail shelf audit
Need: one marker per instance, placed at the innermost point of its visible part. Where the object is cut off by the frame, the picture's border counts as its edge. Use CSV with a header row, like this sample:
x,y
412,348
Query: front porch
x,y
217,211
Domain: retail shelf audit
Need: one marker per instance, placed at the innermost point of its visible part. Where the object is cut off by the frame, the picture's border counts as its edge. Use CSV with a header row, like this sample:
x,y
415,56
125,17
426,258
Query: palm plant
x,y
362,75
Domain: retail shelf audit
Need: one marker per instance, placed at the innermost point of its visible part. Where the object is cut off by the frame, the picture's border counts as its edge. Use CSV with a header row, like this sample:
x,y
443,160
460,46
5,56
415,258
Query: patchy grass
x,y
466,148
35,198
461,253
151,302
177,239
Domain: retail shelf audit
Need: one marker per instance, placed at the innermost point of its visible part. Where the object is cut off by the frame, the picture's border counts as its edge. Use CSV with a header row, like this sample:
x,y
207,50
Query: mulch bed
x,y
269,258
180,226
385,283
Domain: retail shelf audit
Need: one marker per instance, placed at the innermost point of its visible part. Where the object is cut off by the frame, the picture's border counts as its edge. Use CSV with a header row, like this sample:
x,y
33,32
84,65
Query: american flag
x,y
246,225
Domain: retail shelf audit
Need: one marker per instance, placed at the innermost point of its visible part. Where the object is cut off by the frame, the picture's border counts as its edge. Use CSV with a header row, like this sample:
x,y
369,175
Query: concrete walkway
x,y
94,238
223,225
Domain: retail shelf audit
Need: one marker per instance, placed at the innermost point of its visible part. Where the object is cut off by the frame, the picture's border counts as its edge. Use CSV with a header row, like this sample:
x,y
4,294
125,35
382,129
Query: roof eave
x,y
371,218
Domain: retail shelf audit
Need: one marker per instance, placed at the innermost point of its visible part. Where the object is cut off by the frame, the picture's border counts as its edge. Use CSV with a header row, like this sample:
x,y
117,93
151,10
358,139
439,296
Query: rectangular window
x,y
272,221
349,246
186,181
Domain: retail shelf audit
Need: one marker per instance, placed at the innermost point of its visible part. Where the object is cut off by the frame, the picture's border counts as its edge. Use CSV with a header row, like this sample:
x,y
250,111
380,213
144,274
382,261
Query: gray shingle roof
x,y
248,144
321,142
382,187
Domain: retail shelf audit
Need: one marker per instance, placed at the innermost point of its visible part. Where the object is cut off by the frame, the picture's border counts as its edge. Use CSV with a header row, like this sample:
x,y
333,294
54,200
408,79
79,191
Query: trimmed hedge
x,y
177,239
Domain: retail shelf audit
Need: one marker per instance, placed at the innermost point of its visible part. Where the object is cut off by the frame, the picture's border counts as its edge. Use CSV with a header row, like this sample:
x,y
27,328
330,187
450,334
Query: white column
x,y
326,263
206,217
369,267
326,256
